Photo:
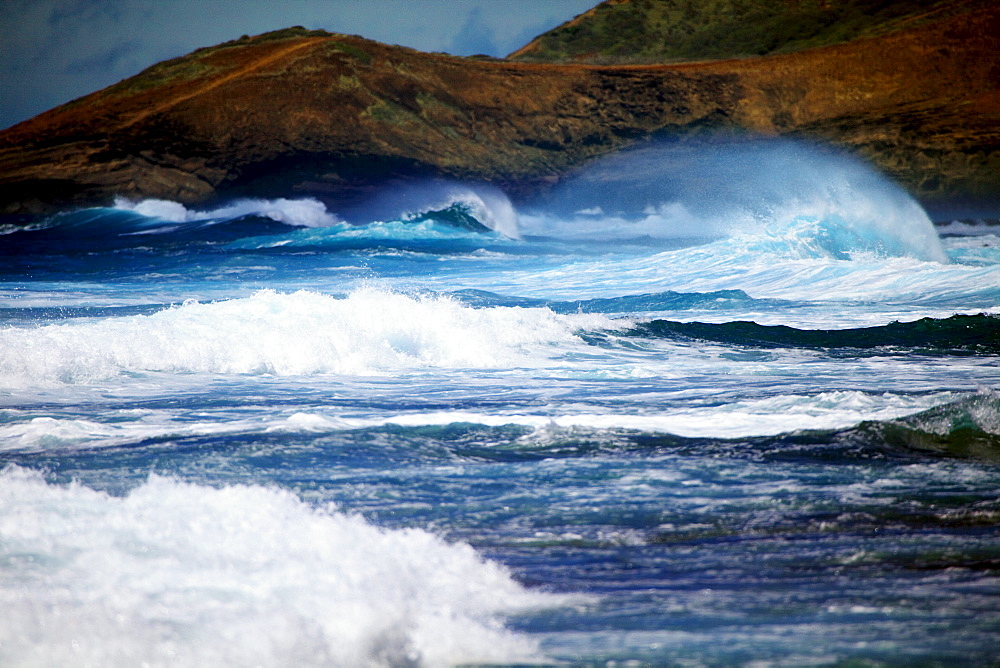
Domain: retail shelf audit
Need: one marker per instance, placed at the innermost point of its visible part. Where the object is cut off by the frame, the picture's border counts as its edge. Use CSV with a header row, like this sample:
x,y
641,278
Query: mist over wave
x,y
745,189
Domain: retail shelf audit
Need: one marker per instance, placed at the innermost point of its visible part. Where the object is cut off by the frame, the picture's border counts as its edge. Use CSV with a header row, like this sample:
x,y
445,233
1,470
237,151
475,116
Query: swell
x,y
243,226
90,230
956,335
655,301
967,428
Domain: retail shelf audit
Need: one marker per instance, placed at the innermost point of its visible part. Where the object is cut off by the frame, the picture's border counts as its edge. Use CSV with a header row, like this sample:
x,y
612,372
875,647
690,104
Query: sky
x,y
53,51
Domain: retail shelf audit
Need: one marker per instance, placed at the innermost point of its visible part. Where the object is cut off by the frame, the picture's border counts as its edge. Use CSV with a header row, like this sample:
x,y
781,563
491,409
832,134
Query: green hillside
x,y
663,31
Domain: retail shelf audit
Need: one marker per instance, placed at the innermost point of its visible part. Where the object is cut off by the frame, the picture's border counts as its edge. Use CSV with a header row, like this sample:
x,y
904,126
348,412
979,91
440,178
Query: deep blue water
x,y
745,417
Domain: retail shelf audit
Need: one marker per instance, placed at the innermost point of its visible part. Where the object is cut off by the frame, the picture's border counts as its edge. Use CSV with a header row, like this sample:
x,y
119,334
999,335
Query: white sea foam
x,y
45,433
755,417
306,212
764,266
970,228
48,433
369,332
181,574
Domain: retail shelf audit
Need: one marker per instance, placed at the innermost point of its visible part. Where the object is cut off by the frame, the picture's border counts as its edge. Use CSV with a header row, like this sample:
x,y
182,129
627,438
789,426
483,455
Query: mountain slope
x,y
301,112
664,31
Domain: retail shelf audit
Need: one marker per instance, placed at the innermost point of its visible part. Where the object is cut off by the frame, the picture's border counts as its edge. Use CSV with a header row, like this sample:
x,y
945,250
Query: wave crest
x,y
490,209
369,332
306,212
787,196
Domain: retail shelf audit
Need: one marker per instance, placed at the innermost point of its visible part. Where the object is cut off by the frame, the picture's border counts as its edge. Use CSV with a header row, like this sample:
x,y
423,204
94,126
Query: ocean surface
x,y
743,412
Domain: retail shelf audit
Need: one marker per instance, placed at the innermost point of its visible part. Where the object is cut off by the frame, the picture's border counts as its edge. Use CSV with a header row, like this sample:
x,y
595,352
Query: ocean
x,y
724,406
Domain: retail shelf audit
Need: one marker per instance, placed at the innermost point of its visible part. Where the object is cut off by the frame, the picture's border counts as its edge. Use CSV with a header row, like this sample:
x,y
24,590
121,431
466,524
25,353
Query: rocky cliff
x,y
297,112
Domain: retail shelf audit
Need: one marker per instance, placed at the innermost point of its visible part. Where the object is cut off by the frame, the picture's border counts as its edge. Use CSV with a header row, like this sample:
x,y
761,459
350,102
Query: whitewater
x,y
747,414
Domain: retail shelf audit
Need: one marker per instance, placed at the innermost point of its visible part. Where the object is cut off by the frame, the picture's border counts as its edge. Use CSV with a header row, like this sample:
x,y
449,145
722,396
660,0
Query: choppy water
x,y
747,414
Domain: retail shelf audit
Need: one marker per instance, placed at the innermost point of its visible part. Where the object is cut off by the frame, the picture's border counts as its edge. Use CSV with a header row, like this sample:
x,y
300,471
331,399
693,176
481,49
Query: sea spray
x,y
712,190
175,573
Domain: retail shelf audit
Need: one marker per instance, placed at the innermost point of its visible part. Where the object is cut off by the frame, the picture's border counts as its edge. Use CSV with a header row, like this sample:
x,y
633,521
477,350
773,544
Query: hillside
x,y
667,31
298,112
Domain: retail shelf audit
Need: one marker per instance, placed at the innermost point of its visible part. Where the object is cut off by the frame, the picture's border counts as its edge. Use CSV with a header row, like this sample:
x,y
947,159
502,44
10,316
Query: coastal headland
x,y
298,113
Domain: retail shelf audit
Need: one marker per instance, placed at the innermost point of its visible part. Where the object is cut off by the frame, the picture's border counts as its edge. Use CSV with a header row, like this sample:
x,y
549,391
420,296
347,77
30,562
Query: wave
x,y
969,228
800,199
376,332
253,224
969,428
439,219
628,304
179,573
92,231
306,212
480,209
830,426
965,428
437,232
836,425
765,267
956,335
447,202
523,431
369,332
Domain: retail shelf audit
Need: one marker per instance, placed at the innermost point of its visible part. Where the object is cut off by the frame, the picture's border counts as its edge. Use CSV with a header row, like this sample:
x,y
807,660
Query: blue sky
x,y
52,51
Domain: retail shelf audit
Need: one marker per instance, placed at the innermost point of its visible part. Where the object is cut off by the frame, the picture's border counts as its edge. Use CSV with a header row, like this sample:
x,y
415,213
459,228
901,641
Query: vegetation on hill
x,y
306,113
664,31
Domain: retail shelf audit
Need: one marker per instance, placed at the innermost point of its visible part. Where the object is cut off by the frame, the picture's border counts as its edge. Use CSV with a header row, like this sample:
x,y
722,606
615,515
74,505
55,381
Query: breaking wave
x,y
175,573
809,201
368,332
307,212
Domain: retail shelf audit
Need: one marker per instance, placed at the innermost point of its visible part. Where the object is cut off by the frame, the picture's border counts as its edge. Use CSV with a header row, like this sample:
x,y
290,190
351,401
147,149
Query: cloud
x,y
474,36
113,59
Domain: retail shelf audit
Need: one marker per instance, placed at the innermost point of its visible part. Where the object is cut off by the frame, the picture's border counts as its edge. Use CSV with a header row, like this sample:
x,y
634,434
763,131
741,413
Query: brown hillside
x,y
299,112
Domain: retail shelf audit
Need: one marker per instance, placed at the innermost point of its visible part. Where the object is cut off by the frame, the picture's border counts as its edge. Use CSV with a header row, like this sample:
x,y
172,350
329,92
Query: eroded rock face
x,y
299,112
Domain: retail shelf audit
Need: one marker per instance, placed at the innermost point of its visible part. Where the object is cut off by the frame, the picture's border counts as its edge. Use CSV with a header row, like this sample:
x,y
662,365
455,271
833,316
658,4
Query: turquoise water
x,y
742,415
